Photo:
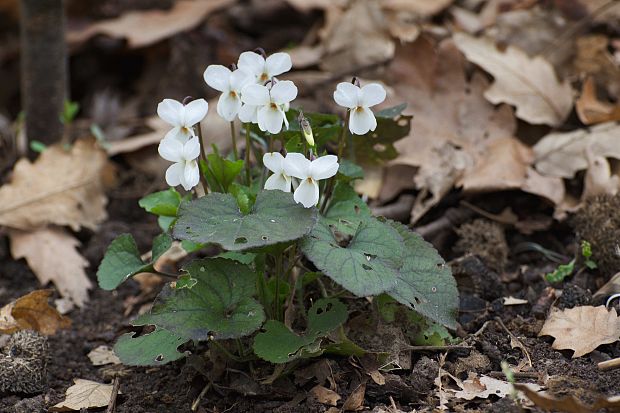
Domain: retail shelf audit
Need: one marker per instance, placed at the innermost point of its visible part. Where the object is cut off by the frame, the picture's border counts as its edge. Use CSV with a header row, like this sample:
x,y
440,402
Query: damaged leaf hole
x,y
241,240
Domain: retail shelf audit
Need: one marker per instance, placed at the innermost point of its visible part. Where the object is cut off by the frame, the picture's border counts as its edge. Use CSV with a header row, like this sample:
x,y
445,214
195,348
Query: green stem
x,y
233,135
332,181
203,156
276,301
248,148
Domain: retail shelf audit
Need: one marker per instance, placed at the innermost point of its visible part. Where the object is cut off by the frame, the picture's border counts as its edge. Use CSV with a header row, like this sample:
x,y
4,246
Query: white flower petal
x,y
278,63
195,111
255,95
274,161
228,105
270,119
307,193
174,174
191,150
296,165
251,62
278,181
372,94
283,92
191,175
347,95
239,79
179,133
218,77
248,113
171,111
324,167
171,150
361,121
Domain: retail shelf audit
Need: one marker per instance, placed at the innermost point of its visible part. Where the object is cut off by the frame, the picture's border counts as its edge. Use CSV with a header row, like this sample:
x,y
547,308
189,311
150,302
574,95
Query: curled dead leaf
x,y
32,312
591,110
325,396
582,329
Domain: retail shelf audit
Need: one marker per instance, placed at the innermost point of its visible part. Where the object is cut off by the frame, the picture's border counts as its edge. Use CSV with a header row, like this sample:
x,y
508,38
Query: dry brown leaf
x,y
356,38
582,329
562,154
103,355
355,401
422,8
482,387
32,312
145,27
529,84
325,396
567,404
84,394
592,110
60,187
594,59
52,255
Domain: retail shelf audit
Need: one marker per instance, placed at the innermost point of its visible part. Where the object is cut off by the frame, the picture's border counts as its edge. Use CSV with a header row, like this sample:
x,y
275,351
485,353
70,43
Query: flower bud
x,y
306,129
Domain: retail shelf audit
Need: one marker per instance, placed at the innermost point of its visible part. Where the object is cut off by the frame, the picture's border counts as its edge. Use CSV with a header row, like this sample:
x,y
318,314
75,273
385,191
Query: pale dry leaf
x,y
84,394
325,396
32,312
594,59
145,27
598,179
529,84
358,39
562,154
513,301
591,110
61,187
582,329
568,404
308,5
51,253
355,401
482,387
103,355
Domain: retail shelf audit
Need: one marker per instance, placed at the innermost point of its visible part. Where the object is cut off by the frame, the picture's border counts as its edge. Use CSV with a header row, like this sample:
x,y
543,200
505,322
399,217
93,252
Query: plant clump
x,y
598,224
23,363
483,238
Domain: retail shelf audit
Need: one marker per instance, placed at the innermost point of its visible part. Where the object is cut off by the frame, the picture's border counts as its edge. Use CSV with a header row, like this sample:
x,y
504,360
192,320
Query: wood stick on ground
x,y
115,388
609,364
43,68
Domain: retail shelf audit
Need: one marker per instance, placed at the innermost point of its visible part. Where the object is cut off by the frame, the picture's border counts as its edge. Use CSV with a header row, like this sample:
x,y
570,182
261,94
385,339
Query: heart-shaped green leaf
x,y
346,209
219,304
152,349
163,203
365,264
215,218
122,260
278,344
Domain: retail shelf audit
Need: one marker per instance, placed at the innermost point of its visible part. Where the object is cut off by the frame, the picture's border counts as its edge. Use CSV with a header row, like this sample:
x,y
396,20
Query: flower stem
x,y
332,181
203,156
233,135
248,148
276,301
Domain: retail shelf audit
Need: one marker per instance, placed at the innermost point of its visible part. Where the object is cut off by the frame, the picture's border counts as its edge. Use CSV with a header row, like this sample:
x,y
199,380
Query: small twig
x,y
115,388
609,364
200,396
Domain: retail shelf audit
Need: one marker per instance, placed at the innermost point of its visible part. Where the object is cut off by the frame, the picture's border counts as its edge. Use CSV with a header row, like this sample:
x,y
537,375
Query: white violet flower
x,y
184,171
274,161
263,69
309,172
359,101
269,104
182,117
230,84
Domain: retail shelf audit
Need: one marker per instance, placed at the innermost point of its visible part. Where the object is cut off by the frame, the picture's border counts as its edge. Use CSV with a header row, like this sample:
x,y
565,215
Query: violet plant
x,y
283,241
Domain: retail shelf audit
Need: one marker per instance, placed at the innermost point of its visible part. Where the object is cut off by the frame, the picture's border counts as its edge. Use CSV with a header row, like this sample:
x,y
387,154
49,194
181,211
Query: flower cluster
x,y
251,92
295,165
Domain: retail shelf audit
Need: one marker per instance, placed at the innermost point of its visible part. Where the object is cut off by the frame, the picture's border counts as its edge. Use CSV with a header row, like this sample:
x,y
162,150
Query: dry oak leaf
x,y
84,394
582,329
52,255
562,154
103,355
61,187
568,404
32,312
143,28
529,84
592,110
482,387
325,396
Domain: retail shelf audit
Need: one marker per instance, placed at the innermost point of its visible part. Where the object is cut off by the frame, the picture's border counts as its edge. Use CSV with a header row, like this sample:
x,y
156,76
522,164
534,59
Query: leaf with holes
x,y
424,282
346,209
215,218
122,260
220,303
376,147
152,349
278,344
365,264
